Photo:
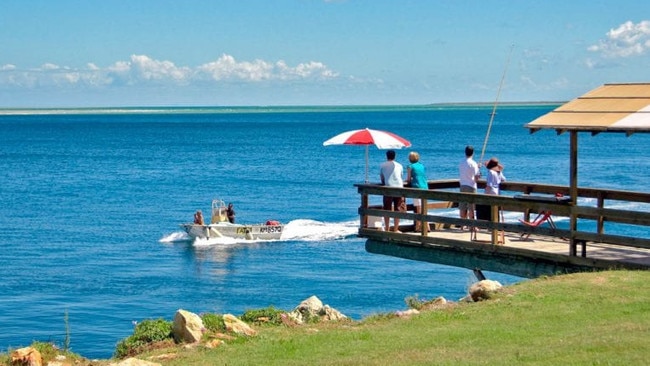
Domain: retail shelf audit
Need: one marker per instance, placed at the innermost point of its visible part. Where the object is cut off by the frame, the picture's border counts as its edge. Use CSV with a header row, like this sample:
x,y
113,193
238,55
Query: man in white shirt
x,y
391,173
469,174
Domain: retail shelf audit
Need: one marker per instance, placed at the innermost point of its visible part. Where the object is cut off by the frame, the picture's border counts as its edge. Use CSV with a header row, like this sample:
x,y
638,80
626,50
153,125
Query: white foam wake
x,y
311,230
302,229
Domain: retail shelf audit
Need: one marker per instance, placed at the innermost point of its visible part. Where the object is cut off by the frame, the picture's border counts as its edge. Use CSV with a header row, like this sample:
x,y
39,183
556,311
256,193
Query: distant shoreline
x,y
259,109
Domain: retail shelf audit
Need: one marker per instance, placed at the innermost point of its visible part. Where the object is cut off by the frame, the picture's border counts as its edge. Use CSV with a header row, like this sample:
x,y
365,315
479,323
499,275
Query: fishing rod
x,y
494,108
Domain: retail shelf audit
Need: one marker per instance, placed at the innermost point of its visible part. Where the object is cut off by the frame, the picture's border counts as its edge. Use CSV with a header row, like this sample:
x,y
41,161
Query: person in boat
x,y
391,173
230,212
198,218
495,176
416,178
469,174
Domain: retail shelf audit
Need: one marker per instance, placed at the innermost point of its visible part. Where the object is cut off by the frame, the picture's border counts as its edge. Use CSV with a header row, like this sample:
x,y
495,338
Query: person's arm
x,y
408,176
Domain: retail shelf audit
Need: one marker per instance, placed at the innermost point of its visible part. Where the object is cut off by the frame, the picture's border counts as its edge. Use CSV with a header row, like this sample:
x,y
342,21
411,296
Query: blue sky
x,y
87,53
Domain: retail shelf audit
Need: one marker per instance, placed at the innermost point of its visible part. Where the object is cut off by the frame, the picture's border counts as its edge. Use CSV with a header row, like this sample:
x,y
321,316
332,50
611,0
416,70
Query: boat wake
x,y
311,230
296,230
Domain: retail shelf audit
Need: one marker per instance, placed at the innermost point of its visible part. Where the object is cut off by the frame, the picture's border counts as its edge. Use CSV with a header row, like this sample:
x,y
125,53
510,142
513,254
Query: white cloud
x,y
143,70
627,40
227,68
49,66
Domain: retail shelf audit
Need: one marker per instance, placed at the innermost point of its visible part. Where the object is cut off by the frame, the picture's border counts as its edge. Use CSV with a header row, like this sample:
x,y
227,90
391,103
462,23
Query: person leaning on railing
x,y
416,177
390,173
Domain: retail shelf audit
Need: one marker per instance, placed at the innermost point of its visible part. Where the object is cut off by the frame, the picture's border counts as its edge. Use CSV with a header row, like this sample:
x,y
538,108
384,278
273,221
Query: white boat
x,y
220,227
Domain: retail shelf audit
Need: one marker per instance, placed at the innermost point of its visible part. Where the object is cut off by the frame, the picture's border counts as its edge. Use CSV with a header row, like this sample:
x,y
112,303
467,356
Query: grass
x,y
600,318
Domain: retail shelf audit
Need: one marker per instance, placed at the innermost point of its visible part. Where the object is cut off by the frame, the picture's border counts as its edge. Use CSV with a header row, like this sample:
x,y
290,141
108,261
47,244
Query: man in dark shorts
x,y
391,173
469,174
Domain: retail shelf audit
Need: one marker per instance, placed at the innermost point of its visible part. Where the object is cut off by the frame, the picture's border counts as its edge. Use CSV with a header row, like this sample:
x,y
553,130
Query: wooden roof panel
x,y
611,107
620,91
605,105
586,119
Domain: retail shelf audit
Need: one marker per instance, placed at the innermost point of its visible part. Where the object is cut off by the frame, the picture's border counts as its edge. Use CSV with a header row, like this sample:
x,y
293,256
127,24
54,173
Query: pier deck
x,y
511,247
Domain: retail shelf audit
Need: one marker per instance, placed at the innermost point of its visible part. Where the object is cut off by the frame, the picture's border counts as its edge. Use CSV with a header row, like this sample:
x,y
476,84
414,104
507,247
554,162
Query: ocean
x,y
92,200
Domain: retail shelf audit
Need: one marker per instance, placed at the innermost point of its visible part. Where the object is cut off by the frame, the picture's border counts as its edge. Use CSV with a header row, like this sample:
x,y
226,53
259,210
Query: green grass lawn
x,y
600,318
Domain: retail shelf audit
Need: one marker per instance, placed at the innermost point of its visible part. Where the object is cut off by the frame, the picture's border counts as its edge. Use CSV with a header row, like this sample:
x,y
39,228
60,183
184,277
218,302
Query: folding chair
x,y
542,217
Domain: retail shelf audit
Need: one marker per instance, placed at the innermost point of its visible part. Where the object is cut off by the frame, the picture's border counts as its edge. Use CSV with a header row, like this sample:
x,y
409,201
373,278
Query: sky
x,y
110,53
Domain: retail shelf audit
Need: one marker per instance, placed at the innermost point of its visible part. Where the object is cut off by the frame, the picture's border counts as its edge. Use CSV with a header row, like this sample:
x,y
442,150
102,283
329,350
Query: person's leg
x,y
416,204
387,205
472,208
463,207
400,205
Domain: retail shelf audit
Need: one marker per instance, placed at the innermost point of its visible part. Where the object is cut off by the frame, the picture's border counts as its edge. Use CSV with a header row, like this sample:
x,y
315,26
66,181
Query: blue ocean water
x,y
92,200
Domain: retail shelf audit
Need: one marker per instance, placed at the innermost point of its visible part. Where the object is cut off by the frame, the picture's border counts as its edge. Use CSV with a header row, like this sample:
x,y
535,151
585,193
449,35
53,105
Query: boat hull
x,y
235,231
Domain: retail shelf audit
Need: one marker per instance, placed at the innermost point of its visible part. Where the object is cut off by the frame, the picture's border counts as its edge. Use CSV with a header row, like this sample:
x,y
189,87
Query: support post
x,y
573,191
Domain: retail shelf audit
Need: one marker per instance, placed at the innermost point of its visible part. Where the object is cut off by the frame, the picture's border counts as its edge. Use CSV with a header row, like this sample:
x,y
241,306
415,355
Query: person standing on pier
x,y
495,176
391,173
469,174
416,177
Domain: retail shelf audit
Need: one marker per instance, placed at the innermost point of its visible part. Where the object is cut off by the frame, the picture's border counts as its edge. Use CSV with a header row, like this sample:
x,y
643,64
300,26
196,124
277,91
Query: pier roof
x,y
608,108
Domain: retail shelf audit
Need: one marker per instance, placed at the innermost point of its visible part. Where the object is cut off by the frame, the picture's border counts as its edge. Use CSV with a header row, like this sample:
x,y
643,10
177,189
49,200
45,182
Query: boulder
x,y
329,313
235,325
26,356
483,290
313,307
188,327
406,313
213,343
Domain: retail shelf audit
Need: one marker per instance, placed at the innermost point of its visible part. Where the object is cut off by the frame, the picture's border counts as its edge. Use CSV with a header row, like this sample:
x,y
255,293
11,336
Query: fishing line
x,y
494,108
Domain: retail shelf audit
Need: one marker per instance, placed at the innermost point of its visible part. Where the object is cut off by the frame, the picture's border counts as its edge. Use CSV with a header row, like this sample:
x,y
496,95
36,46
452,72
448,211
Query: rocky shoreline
x,y
188,328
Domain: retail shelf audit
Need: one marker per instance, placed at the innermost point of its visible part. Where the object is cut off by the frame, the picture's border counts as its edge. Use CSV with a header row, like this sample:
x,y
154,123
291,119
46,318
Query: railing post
x,y
494,217
364,206
424,211
601,204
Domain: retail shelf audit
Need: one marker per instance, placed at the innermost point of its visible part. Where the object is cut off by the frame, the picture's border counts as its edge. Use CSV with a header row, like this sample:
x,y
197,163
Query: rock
x,y
407,313
26,356
233,324
289,321
483,290
188,327
132,361
313,308
329,313
214,343
437,303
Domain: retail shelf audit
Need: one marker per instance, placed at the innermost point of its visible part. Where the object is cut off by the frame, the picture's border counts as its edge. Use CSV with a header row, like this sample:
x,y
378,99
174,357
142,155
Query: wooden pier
x,y
525,250
509,247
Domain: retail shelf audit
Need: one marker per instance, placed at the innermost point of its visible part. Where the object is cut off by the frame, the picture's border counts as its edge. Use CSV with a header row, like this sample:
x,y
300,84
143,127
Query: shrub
x,y
414,302
213,322
268,315
146,332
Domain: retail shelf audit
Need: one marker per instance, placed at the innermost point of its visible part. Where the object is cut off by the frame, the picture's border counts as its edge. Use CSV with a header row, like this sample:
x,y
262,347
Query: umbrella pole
x,y
366,163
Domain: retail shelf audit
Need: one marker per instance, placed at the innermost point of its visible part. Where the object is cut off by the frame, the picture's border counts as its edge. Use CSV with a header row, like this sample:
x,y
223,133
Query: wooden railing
x,y
442,193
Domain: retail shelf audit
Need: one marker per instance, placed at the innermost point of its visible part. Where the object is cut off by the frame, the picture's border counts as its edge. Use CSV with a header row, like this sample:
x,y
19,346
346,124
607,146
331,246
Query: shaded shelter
x,y
622,108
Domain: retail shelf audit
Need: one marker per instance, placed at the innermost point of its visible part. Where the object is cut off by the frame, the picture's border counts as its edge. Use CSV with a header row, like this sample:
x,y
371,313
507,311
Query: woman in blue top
x,y
417,178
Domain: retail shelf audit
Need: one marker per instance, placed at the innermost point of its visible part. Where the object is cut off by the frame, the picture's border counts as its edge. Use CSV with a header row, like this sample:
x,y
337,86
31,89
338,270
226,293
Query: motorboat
x,y
220,227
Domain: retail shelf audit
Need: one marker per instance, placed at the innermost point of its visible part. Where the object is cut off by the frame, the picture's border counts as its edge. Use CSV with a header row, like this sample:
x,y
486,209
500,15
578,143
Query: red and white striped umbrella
x,y
367,137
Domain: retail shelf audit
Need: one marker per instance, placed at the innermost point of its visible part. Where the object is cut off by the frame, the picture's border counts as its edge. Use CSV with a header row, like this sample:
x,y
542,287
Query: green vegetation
x,y
213,322
268,315
598,318
145,333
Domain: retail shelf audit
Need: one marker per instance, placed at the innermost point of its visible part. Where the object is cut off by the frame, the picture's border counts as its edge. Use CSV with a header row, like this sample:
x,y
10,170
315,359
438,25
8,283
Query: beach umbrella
x,y
367,137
